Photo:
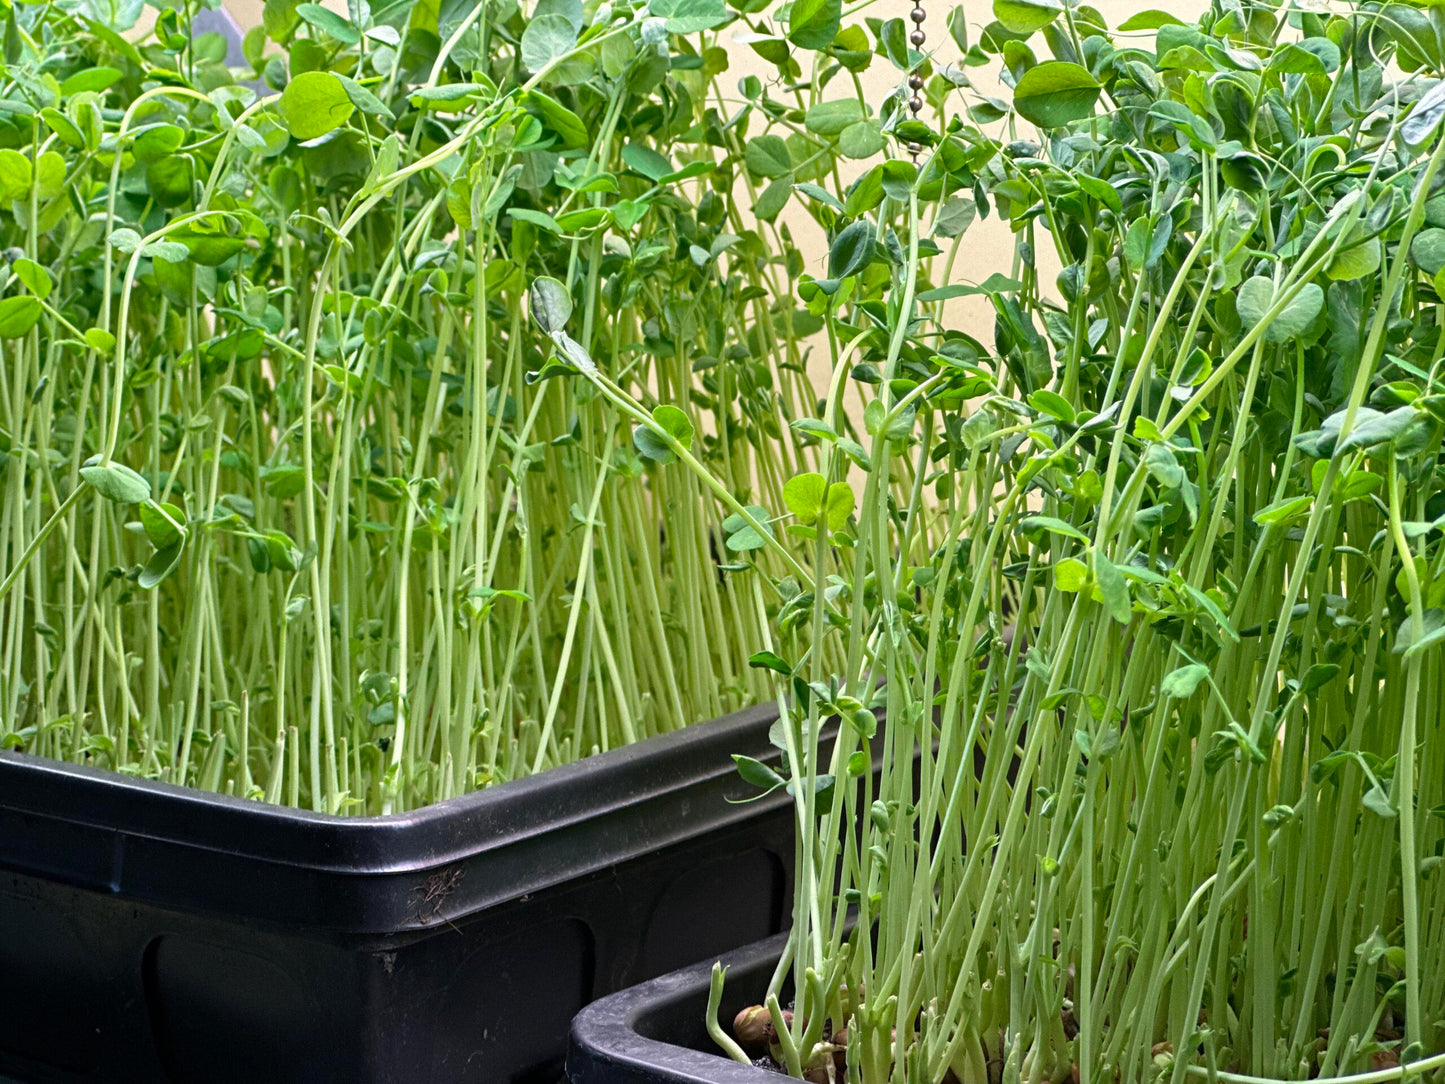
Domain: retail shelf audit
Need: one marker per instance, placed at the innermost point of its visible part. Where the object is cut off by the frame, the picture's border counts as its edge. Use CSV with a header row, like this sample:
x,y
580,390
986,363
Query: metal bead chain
x,y
915,81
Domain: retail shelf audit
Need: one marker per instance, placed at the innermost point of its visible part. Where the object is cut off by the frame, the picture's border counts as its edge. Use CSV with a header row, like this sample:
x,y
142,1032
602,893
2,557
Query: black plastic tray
x,y
154,933
654,1033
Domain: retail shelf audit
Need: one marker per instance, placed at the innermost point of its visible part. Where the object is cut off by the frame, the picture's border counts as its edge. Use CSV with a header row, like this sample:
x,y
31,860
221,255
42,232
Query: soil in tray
x,y
753,1029
754,1032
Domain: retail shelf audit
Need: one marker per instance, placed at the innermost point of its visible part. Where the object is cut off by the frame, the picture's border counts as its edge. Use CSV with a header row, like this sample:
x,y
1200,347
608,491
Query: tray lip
x,y
605,1043
667,768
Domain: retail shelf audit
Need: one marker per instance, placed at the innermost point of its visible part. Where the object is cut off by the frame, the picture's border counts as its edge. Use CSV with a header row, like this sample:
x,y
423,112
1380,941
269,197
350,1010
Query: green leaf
x,y
861,140
207,247
547,38
768,156
1181,683
16,175
170,251
1256,296
742,536
163,523
448,97
1283,510
364,100
1056,93
1428,250
1373,428
813,24
162,563
651,446
315,103
1052,404
117,482
1432,636
863,721
36,279
559,118
1425,118
856,452
1150,19
898,178
804,495
1113,587
1378,802
1196,128
584,218
690,16
93,80
840,505
18,315
768,660
551,304
994,284
63,127
1100,190
1071,575
1290,59
1357,261
570,9
774,198
99,339
674,423
329,22
1318,676
1053,525
830,118
822,787
851,249
646,161
1026,16
541,219
956,215
814,427
1210,607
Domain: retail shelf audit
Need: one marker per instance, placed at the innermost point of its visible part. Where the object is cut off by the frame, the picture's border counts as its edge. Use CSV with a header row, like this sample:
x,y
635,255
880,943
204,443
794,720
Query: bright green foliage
x,y
1151,579
293,507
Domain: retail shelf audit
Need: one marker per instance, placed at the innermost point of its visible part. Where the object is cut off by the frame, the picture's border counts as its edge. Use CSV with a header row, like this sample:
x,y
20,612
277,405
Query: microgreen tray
x,y
654,1033
152,933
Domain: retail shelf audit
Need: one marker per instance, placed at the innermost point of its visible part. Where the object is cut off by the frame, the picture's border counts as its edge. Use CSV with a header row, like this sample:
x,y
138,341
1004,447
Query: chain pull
x,y
915,81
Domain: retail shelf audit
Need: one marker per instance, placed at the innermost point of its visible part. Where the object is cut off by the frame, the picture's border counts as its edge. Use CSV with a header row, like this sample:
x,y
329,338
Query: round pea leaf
x,y
18,315
315,103
551,304
862,139
813,24
1256,297
840,505
1056,93
547,38
1026,16
36,279
689,16
804,495
651,446
674,423
117,482
768,156
1420,125
830,118
851,249
1181,683
1357,262
1428,250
